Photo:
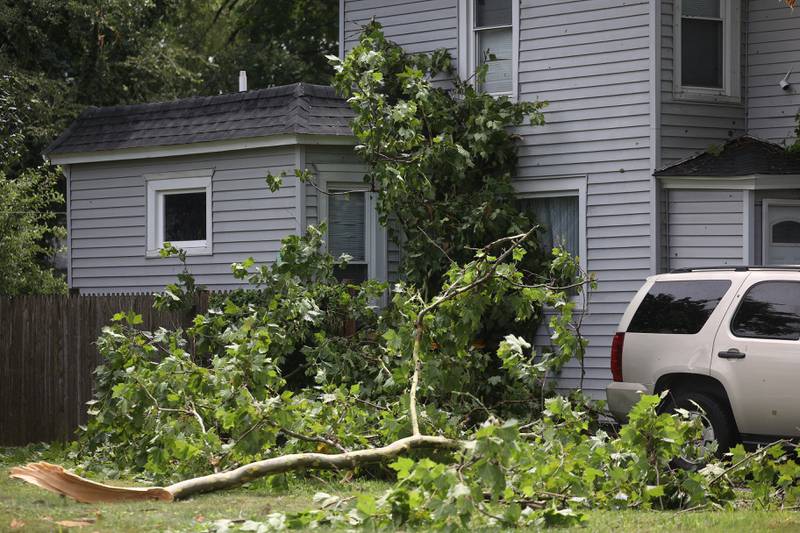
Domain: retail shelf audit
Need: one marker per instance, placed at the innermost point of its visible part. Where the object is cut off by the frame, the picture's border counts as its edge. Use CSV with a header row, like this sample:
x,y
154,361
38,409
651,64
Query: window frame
x,y
558,188
158,186
374,234
766,227
730,92
745,291
467,44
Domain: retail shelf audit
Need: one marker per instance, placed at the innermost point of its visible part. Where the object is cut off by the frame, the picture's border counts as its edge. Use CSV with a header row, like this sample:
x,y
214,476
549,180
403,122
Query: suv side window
x,y
769,310
678,307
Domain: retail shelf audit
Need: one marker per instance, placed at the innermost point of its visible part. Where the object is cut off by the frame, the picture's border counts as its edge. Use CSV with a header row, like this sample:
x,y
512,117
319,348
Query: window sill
x,y
690,95
190,251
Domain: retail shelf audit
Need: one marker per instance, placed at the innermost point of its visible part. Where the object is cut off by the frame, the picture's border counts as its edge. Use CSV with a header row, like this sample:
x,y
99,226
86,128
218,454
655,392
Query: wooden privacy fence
x,y
48,353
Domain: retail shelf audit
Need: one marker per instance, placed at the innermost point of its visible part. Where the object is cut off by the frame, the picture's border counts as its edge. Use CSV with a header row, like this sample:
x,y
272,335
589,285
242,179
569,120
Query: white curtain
x,y
560,219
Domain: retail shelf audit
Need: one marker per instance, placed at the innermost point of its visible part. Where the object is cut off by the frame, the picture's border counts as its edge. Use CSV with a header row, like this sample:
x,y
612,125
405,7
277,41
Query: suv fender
x,y
681,382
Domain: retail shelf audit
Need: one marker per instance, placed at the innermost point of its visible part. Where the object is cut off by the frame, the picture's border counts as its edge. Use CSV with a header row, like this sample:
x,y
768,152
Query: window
x,y
347,232
769,310
179,212
558,204
678,307
489,36
559,217
786,232
353,228
707,48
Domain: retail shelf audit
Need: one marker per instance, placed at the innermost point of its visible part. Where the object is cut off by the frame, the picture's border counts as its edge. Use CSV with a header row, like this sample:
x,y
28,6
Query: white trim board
x,y
753,182
654,98
151,152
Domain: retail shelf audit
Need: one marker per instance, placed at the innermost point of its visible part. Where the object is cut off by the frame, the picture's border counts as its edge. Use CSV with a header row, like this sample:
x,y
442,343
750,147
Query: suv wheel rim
x,y
707,441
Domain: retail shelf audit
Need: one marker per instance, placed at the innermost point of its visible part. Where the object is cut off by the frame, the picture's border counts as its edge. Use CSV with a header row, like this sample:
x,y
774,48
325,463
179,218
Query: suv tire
x,y
715,413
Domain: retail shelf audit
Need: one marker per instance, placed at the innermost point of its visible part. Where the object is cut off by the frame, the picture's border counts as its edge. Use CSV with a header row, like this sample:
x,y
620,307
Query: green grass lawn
x,y
39,510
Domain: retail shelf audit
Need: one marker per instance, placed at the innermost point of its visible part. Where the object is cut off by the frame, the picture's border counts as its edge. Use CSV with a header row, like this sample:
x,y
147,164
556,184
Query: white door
x,y
781,231
757,354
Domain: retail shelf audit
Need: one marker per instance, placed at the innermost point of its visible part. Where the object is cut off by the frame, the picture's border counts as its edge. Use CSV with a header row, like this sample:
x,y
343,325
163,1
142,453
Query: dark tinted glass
x,y
185,217
786,232
769,310
701,53
492,13
352,273
678,307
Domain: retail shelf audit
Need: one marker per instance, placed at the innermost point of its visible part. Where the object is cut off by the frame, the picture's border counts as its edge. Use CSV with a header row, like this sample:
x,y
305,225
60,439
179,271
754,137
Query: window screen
x,y
184,217
701,43
769,310
678,307
493,36
560,221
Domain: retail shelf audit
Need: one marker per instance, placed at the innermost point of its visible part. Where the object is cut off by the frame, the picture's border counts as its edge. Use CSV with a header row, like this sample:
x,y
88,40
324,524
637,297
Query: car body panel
x,y
762,387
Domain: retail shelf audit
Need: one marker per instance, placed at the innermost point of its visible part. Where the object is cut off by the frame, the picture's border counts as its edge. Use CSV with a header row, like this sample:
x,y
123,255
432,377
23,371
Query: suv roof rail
x,y
736,268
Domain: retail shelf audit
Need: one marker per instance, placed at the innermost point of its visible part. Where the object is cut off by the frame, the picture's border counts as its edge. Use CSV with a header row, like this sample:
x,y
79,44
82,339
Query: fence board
x,y
48,354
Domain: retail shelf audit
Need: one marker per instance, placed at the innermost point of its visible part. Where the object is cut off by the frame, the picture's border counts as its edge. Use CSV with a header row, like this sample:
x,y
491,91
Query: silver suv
x,y
725,339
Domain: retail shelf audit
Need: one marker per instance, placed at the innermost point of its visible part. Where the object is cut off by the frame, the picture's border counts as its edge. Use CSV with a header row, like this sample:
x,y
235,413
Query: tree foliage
x,y
29,233
66,55
439,153
303,362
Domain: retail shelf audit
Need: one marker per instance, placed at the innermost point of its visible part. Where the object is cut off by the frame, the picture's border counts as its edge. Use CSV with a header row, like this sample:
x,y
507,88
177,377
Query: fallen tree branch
x,y
57,479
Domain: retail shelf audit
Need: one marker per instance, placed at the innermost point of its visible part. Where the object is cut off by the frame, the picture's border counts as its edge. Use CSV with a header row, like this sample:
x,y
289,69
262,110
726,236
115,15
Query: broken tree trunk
x,y
55,479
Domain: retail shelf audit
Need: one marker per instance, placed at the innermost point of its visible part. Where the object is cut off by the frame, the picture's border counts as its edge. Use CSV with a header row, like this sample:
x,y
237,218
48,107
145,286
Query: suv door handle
x,y
733,353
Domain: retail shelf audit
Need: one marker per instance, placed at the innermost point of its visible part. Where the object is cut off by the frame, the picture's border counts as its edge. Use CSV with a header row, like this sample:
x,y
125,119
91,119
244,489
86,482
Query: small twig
x,y
746,458
436,244
309,438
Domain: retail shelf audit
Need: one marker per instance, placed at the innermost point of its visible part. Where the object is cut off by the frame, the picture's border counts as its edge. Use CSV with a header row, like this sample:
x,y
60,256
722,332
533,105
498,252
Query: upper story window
x,y
179,212
707,55
489,35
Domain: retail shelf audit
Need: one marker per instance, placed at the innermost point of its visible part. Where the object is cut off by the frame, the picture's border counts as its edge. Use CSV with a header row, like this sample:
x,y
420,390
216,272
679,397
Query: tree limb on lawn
x,y
56,479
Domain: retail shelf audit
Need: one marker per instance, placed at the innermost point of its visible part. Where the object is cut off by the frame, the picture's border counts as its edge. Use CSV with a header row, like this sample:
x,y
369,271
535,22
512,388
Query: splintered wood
x,y
56,479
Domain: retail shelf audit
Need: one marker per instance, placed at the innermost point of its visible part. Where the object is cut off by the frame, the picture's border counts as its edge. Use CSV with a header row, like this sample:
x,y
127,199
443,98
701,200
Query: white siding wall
x,y
705,228
688,127
109,228
417,26
590,60
773,46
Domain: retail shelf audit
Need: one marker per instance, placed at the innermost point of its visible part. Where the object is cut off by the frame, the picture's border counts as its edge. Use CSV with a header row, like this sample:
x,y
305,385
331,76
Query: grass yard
x,y
27,508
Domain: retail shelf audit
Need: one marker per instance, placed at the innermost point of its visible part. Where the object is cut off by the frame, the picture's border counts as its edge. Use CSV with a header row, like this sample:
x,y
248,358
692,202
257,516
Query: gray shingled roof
x,y
743,156
300,108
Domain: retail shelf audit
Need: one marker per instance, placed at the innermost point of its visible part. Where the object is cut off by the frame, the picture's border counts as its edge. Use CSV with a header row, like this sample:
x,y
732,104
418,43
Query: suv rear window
x,y
769,310
678,307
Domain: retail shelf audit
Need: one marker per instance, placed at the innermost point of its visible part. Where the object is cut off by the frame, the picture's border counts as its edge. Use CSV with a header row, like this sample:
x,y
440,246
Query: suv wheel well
x,y
694,383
